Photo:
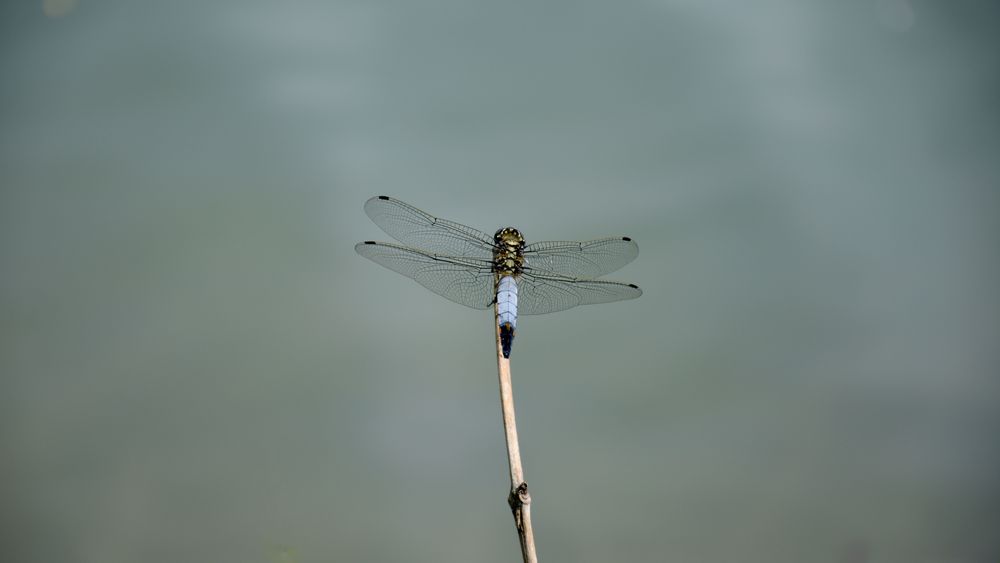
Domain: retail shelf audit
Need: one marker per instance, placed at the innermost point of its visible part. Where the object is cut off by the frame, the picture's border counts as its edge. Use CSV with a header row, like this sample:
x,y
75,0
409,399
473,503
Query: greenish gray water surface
x,y
196,366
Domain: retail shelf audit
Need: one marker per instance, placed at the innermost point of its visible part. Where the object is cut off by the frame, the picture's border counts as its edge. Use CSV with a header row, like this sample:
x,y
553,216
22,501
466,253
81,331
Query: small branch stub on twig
x,y
520,504
519,496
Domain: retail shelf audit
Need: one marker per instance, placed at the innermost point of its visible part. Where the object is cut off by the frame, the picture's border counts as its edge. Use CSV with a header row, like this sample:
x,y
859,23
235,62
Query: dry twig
x,y
519,498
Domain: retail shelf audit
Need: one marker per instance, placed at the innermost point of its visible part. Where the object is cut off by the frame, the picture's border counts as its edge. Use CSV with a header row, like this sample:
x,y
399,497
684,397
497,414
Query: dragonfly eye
x,y
509,237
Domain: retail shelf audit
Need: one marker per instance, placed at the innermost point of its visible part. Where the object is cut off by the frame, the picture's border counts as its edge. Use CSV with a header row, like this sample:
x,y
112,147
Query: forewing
x,y
590,259
539,294
467,281
413,227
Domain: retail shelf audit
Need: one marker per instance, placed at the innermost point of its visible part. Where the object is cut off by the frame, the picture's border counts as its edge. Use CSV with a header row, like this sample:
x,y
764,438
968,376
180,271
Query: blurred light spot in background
x,y
58,8
897,15
283,554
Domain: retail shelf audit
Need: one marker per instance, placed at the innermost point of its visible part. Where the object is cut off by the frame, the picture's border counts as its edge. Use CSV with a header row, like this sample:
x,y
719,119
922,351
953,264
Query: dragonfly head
x,y
509,239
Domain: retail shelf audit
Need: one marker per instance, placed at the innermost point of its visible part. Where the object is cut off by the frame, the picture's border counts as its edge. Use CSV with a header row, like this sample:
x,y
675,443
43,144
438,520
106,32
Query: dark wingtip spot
x,y
383,197
633,286
369,242
626,239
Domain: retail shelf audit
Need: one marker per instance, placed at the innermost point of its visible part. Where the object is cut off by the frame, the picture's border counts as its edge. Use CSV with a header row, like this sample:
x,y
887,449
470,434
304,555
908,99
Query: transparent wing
x,y
467,281
589,259
413,227
538,294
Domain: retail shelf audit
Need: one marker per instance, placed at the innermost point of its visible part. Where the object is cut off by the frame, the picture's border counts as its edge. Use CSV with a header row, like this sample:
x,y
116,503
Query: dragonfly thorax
x,y
508,256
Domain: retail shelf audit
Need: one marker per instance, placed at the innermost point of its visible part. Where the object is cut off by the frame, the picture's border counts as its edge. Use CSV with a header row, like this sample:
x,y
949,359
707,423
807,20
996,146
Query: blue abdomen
x,y
506,312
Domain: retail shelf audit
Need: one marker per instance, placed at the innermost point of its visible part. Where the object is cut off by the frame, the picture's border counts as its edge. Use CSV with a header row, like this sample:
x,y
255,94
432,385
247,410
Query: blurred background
x,y
196,366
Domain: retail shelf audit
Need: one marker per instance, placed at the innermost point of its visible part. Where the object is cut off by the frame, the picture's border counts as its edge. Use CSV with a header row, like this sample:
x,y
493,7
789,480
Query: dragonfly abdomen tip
x,y
506,338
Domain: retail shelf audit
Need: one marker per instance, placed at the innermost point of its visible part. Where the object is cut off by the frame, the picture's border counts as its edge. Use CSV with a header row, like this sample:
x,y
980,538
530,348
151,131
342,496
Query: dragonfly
x,y
472,268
